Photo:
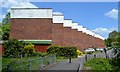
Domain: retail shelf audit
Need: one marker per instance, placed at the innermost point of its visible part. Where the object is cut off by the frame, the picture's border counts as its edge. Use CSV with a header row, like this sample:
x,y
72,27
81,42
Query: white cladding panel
x,y
74,25
88,32
67,23
58,19
80,28
31,13
96,35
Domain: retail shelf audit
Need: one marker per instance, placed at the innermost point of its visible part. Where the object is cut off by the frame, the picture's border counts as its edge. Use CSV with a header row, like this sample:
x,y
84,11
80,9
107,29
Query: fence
x,y
109,55
32,64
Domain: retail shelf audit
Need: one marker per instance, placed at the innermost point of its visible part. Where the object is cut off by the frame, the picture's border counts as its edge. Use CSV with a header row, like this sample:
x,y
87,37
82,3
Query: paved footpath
x,y
65,65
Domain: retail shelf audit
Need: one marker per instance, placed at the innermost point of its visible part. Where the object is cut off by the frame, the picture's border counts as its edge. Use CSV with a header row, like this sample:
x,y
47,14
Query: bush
x,y
79,53
13,48
52,49
116,64
16,49
99,64
29,49
69,52
88,52
39,54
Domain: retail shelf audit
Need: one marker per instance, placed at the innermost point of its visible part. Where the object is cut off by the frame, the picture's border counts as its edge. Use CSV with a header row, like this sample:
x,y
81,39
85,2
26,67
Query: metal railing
x,y
32,64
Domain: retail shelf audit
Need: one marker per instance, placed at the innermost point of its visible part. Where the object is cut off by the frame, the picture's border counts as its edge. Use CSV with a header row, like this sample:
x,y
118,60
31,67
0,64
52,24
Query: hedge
x,y
64,51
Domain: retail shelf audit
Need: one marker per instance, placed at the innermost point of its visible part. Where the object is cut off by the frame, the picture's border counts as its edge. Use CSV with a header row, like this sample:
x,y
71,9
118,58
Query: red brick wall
x,y
57,34
101,43
81,40
67,36
41,48
74,38
91,41
31,29
44,29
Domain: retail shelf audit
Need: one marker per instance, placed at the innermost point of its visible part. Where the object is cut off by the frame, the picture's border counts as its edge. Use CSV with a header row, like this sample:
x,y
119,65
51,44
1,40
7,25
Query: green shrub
x,y
52,49
88,52
99,64
79,53
116,64
42,54
63,51
39,54
29,49
13,48
16,49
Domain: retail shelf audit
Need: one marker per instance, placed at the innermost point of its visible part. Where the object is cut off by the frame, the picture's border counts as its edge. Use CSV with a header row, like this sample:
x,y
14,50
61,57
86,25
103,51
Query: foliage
x,y
68,52
1,31
29,49
52,49
5,26
6,19
5,31
24,63
79,53
38,54
13,48
116,64
99,64
103,64
113,40
113,34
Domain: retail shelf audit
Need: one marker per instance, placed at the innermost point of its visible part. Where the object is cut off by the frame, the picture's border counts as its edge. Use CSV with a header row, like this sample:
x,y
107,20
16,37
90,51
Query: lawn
x,y
28,63
99,64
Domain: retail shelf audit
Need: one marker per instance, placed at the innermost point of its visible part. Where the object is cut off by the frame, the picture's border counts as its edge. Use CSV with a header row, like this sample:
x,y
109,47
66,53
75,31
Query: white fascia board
x,y
91,33
58,17
57,13
101,37
88,32
74,25
30,13
96,35
67,23
80,28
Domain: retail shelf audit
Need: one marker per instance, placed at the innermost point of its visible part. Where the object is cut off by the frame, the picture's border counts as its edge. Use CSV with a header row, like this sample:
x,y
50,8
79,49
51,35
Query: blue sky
x,y
100,17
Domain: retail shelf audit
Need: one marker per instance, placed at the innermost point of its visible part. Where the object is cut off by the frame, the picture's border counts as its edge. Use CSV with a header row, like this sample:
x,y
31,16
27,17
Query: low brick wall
x,y
41,47
1,49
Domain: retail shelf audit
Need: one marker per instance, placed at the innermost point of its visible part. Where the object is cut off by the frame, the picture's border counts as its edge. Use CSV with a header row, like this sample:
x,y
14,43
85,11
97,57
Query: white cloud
x,y
113,13
17,4
104,31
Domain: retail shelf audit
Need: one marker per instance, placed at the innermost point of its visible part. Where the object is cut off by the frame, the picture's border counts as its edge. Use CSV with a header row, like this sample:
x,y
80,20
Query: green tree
x,y
113,39
113,34
108,42
13,48
6,20
118,39
1,31
29,49
5,31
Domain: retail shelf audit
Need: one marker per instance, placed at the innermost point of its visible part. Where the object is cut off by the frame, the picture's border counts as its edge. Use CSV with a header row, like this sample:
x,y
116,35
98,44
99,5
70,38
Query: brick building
x,y
43,27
